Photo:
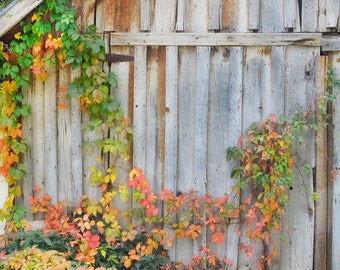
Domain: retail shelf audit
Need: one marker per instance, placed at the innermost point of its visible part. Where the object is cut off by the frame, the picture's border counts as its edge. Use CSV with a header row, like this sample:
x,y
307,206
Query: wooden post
x,y
320,252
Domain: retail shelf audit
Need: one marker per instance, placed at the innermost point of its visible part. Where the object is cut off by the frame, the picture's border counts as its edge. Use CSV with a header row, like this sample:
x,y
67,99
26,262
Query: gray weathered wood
x,y
252,110
215,39
298,237
322,16
139,113
171,127
321,175
201,129
272,16
27,132
196,16
164,16
154,125
292,19
180,18
332,13
50,140
217,133
186,131
254,14
309,16
330,43
215,14
145,15
335,245
16,13
235,108
76,151
38,130
64,141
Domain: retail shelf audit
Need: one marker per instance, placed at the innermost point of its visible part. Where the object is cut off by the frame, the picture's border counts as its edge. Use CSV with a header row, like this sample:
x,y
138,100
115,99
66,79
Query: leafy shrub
x,y
34,258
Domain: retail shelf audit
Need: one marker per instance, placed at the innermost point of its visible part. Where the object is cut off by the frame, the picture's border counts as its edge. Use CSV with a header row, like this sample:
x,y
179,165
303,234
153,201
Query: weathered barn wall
x,y
189,99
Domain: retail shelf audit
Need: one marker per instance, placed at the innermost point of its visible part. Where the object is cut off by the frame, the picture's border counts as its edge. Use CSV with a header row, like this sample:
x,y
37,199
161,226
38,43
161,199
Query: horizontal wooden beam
x,y
216,39
16,13
330,43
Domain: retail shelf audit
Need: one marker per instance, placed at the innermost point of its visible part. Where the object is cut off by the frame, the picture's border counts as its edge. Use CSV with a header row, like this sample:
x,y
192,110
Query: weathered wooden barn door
x,y
194,95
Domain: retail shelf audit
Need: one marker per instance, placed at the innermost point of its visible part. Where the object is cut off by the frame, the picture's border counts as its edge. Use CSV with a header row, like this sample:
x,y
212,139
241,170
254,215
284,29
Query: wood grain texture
x,y
299,227
321,174
139,114
215,15
145,15
76,143
164,19
309,16
335,202
180,16
50,138
215,39
64,141
272,16
171,127
235,108
16,13
292,17
254,14
186,131
332,13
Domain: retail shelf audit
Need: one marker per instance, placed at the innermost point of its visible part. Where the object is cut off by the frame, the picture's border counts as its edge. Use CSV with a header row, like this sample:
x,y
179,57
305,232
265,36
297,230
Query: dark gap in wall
x,y
300,11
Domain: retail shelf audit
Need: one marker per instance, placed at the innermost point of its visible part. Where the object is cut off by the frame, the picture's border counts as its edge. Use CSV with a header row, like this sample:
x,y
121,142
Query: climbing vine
x,y
96,234
51,38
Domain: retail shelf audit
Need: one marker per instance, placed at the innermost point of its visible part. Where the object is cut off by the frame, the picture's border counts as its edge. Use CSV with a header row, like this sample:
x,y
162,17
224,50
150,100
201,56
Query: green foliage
x,y
44,241
34,258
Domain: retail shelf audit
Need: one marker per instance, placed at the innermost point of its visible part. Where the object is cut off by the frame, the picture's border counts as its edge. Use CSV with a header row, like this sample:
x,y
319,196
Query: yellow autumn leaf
x,y
17,35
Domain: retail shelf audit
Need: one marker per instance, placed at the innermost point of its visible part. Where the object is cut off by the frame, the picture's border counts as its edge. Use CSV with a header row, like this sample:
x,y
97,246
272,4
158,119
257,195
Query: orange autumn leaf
x,y
217,238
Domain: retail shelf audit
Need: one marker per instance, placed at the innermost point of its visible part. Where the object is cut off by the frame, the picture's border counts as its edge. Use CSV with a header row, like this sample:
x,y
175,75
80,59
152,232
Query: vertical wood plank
x,y
297,247
145,15
254,14
320,250
252,110
50,110
88,14
139,114
272,16
64,142
215,14
186,131
201,129
171,127
27,132
38,145
127,16
164,19
218,123
332,13
196,16
322,15
154,121
309,17
233,16
335,245
235,107
180,18
109,15
76,151
292,19
277,95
